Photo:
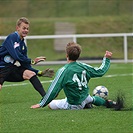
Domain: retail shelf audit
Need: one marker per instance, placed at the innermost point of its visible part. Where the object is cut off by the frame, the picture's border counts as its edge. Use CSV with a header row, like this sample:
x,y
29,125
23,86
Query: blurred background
x,y
55,17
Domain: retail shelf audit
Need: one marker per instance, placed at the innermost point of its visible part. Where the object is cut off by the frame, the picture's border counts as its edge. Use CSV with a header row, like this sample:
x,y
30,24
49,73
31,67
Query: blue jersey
x,y
73,78
14,49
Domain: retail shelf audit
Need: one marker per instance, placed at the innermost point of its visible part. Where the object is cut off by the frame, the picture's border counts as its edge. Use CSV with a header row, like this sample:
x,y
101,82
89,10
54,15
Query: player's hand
x,y
108,54
46,73
38,59
35,106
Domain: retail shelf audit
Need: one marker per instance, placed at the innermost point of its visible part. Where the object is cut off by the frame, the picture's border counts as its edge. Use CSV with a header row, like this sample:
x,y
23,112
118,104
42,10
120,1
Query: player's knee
x,y
28,74
0,86
49,106
53,105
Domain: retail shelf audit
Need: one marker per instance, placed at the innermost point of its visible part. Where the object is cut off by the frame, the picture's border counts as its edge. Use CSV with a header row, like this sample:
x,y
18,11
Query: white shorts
x,y
63,104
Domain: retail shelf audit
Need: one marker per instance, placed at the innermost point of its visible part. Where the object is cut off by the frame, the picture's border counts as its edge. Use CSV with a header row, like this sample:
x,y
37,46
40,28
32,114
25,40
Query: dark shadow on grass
x,y
127,109
124,109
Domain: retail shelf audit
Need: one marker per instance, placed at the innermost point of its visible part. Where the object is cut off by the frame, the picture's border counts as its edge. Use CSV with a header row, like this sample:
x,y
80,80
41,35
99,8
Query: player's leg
x,y
118,105
31,76
0,86
63,104
98,101
87,103
58,104
20,74
4,72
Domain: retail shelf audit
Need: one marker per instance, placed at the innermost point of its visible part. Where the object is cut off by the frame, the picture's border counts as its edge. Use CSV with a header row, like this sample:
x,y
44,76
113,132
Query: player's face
x,y
23,30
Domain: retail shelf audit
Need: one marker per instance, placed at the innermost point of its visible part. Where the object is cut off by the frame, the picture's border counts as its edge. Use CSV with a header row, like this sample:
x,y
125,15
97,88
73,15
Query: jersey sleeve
x,y
14,50
100,71
54,88
29,67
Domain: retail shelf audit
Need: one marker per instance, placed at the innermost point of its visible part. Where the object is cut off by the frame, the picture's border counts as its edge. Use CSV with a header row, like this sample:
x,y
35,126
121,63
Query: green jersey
x,y
73,78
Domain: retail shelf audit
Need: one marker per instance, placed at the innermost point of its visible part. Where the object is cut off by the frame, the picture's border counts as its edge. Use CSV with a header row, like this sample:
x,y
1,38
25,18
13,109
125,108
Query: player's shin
x,y
37,85
98,101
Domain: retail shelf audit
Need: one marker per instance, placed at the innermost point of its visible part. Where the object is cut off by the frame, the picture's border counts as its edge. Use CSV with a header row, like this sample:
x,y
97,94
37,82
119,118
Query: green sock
x,y
98,101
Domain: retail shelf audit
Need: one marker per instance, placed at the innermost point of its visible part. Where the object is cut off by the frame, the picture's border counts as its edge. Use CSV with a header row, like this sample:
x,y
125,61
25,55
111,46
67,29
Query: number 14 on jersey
x,y
82,81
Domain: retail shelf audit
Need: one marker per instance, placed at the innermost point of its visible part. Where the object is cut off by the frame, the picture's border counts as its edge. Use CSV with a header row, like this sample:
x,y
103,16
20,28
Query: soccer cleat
x,y
110,103
88,106
118,105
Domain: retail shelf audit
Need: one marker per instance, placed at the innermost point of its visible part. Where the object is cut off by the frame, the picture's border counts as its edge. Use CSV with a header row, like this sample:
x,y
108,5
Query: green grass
x,y
17,117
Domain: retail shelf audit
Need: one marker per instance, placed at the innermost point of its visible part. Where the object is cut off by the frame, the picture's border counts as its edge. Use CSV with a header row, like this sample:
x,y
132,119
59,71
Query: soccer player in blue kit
x,y
13,50
73,78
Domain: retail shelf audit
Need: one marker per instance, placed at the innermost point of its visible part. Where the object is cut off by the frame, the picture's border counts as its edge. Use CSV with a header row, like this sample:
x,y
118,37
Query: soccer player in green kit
x,y
73,78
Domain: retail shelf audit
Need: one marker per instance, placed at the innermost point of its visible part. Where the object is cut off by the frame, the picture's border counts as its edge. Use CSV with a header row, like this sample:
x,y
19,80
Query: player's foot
x,y
118,105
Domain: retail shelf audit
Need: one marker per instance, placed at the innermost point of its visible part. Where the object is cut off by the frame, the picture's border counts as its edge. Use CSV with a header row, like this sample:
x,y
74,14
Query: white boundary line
x,y
117,75
107,76
25,83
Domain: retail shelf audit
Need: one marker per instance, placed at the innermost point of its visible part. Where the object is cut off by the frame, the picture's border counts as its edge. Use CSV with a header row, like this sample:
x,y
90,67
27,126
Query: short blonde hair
x,y
22,19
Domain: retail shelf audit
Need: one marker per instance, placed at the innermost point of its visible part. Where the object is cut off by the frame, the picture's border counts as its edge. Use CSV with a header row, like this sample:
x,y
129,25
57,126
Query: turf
x,y
17,117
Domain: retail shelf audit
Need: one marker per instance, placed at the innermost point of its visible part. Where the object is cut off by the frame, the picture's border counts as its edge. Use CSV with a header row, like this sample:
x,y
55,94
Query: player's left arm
x,y
100,71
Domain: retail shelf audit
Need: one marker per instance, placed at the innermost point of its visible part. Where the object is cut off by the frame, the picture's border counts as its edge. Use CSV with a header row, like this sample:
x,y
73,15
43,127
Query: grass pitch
x,y
17,117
